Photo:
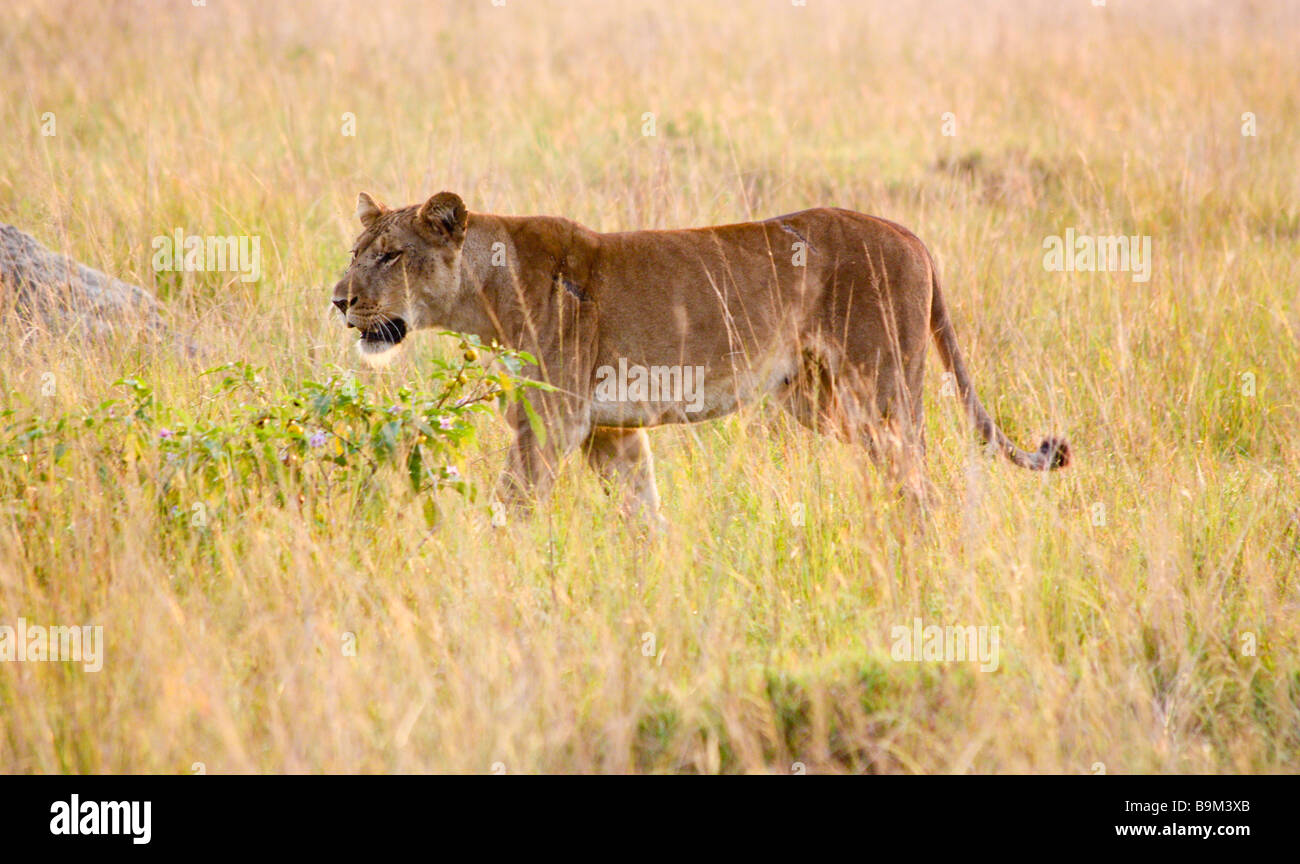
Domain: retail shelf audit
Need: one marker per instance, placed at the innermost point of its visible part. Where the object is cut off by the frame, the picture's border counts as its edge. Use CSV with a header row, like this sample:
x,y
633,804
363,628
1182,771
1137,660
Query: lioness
x,y
826,310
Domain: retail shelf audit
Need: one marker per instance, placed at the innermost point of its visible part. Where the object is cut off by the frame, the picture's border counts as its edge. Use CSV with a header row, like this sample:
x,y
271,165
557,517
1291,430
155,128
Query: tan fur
x,y
827,311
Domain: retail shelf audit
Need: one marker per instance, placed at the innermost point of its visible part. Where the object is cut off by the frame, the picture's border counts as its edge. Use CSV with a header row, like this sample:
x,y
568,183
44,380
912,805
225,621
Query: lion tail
x,y
1052,453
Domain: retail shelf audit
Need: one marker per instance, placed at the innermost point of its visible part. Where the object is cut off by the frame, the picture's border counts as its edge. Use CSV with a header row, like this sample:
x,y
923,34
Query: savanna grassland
x,y
275,592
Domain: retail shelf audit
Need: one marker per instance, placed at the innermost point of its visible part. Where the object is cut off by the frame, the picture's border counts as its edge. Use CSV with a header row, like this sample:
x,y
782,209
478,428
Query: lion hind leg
x,y
813,397
872,408
894,434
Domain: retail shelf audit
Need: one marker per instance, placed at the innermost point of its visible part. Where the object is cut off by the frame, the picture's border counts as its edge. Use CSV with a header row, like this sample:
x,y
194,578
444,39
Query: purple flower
x,y
452,472
317,439
446,421
164,433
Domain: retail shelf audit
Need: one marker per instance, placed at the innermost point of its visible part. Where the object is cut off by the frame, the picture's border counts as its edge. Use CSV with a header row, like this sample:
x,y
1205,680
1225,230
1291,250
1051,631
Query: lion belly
x,y
627,394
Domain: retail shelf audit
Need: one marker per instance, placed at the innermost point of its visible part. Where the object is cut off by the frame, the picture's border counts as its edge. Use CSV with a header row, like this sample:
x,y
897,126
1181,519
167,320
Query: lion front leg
x,y
622,457
534,460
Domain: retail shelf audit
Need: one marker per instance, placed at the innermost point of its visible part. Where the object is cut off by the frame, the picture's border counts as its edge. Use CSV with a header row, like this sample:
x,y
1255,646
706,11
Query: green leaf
x,y
415,467
535,422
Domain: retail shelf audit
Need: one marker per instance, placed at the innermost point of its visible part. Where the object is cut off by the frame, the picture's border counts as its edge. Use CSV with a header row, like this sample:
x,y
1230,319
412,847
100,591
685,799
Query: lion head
x,y
405,271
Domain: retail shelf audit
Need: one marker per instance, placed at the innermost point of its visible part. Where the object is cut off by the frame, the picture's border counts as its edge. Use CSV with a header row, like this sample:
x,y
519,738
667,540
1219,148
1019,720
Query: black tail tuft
x,y
1056,453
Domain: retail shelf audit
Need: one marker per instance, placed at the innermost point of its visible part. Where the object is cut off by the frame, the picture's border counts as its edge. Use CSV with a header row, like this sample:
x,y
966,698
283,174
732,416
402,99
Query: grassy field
x,y
1145,599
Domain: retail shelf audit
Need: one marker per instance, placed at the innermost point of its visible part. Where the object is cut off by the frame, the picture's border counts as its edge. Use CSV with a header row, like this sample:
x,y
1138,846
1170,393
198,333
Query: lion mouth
x,y
385,333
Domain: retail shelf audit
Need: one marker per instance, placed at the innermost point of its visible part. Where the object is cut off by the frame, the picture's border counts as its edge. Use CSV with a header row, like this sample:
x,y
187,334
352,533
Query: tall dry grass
x,y
523,649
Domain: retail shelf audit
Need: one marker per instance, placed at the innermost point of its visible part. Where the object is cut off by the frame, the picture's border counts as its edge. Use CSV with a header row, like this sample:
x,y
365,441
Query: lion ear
x,y
368,209
445,212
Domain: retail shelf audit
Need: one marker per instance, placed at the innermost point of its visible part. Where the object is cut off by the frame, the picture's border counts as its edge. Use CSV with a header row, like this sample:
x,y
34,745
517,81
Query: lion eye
x,y
389,257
